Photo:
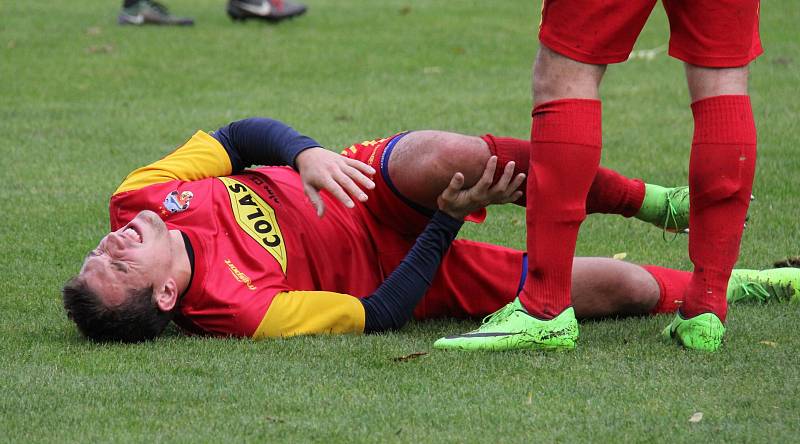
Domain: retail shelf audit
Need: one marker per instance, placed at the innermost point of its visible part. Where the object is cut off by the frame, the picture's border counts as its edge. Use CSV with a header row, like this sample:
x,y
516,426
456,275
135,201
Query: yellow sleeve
x,y
294,313
200,157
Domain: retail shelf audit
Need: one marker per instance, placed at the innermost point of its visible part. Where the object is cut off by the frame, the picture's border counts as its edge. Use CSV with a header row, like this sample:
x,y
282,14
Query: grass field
x,y
84,101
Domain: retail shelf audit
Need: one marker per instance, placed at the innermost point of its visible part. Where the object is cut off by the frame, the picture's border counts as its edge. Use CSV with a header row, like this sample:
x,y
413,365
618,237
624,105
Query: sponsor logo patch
x,y
257,218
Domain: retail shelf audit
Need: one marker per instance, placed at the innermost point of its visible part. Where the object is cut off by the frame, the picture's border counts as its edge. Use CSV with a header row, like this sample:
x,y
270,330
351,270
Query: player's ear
x,y
166,295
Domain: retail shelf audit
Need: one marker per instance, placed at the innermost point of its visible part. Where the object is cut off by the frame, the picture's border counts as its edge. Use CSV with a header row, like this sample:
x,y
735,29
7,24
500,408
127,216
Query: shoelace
x,y
670,214
500,314
672,211
158,6
766,291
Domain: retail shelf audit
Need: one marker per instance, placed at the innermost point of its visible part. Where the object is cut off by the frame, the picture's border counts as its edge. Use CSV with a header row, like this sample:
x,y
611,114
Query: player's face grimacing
x,y
136,256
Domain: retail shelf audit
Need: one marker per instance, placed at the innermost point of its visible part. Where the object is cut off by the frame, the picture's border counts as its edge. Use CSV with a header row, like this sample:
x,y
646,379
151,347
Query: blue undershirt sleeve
x,y
262,141
392,304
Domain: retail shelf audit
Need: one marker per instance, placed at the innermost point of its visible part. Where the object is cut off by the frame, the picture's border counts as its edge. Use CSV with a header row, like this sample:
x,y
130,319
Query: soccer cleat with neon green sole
x,y
764,286
666,208
703,332
512,328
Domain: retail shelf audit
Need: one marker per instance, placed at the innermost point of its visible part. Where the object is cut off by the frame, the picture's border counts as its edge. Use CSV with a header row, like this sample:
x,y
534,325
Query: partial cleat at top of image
x,y
269,10
512,328
703,332
666,208
150,12
764,286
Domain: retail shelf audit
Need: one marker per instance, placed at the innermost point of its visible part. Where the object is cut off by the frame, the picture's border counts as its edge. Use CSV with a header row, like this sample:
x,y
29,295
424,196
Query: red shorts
x,y
710,33
475,279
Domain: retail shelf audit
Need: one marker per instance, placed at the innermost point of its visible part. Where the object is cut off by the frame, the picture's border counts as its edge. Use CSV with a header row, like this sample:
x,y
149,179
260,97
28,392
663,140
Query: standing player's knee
x,y
710,82
558,77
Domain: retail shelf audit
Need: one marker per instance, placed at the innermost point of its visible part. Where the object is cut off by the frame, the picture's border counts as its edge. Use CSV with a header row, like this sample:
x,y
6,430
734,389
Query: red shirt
x,y
264,263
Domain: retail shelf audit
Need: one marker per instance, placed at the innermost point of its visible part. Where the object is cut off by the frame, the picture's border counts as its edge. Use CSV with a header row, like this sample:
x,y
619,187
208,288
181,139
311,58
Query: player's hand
x,y
459,202
341,176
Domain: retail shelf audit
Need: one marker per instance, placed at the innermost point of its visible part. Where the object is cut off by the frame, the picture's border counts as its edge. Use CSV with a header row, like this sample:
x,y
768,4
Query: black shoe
x,y
150,12
269,10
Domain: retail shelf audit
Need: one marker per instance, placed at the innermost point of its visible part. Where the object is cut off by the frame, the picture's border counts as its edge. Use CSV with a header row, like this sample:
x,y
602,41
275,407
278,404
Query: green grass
x,y
83,101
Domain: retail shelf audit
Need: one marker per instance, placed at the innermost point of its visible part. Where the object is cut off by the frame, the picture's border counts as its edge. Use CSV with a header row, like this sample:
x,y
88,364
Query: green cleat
x,y
512,328
703,332
666,208
764,286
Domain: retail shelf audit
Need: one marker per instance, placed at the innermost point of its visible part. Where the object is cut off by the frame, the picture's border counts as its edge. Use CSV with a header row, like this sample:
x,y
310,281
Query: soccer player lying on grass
x,y
223,250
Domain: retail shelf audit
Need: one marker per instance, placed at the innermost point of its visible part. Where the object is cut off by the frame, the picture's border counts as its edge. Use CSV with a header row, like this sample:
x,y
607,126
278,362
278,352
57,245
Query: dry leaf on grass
x,y
620,256
697,417
409,357
99,49
770,343
788,262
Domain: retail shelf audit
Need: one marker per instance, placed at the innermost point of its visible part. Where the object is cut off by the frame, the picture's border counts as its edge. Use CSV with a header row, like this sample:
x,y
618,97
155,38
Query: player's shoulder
x,y
200,157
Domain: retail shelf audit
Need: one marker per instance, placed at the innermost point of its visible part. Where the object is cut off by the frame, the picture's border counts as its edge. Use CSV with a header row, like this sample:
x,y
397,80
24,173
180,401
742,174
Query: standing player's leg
x,y
564,158
565,154
578,39
717,44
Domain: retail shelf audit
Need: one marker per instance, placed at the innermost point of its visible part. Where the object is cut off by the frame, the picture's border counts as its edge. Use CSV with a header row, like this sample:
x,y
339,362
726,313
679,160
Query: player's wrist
x,y
451,222
304,156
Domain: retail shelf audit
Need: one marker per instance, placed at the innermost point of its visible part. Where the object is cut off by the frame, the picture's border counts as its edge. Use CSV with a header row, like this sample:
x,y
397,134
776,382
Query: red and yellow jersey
x,y
264,264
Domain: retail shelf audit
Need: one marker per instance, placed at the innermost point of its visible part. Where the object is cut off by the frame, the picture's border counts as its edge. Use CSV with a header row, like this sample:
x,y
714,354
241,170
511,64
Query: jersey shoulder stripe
x,y
200,157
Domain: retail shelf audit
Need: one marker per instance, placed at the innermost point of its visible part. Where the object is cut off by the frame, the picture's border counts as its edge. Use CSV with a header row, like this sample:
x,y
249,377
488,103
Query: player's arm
x,y
260,141
255,141
238,145
392,304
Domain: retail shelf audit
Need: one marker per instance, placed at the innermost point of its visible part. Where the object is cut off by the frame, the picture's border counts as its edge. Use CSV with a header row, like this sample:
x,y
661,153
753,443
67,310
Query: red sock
x,y
508,149
613,193
671,284
721,170
610,193
566,141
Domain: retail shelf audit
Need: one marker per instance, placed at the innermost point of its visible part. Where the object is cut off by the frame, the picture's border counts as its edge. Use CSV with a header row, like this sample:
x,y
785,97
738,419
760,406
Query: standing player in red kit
x,y
716,39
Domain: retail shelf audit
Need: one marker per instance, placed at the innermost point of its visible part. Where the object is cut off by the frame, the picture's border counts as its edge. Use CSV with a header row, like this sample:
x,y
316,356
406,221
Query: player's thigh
x,y
475,279
597,32
714,33
423,162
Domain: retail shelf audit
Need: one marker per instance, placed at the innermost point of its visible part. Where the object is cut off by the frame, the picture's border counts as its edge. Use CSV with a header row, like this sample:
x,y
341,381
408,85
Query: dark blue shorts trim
x,y
524,275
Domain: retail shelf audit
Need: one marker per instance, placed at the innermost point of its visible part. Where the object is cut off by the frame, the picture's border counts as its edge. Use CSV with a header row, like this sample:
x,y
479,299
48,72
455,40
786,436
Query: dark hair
x,y
135,320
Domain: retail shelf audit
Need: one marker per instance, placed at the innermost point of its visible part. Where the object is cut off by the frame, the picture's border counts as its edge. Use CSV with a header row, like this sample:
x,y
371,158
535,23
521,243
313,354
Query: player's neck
x,y
181,266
